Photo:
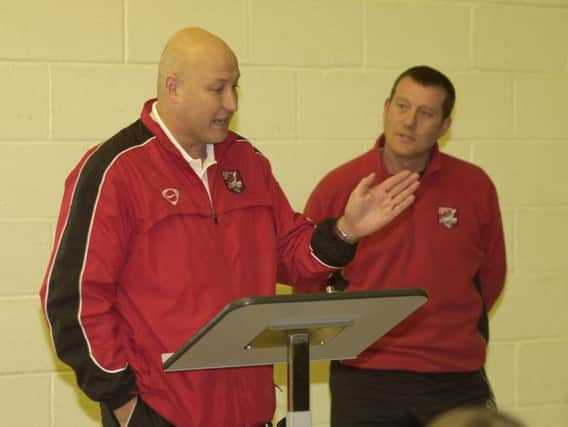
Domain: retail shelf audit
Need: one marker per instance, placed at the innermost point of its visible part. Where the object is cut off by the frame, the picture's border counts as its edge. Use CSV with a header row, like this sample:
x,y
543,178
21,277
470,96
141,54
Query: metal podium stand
x,y
295,329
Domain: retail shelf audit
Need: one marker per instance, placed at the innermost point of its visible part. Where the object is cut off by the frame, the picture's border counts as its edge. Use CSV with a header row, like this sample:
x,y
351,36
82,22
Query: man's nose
x,y
410,118
231,101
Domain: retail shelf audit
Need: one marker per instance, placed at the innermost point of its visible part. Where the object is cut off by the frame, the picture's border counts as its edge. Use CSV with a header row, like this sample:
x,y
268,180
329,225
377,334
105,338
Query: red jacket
x,y
142,259
448,253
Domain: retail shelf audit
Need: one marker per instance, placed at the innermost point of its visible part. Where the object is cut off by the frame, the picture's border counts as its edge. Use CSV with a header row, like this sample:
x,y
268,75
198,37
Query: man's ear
x,y
171,84
445,126
387,103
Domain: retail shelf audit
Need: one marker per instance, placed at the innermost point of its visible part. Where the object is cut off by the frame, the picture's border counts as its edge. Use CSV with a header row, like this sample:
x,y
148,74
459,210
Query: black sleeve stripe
x,y
63,294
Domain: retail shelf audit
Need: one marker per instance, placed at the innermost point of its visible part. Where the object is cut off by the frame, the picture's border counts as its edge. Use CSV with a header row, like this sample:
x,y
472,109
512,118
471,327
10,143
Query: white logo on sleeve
x,y
171,195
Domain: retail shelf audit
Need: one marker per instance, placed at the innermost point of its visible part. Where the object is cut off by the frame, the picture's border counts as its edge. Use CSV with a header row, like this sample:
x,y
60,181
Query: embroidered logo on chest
x,y
233,181
448,217
171,195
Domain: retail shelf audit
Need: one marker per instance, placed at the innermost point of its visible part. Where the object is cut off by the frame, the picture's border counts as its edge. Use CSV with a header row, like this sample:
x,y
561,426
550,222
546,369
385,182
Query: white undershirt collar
x,y
199,166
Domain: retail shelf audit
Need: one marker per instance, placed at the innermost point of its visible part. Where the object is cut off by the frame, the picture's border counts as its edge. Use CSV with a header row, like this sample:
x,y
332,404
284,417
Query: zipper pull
x,y
214,216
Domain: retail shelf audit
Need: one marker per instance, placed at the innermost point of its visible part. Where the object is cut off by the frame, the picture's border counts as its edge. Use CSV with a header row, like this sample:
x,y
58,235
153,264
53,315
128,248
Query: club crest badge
x,y
233,181
448,217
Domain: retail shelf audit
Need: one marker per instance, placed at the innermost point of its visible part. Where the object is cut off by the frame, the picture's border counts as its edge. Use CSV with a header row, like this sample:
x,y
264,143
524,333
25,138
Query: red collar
x,y
434,164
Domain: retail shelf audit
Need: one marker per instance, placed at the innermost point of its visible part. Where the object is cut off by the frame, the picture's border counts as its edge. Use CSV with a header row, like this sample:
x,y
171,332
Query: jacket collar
x,y
165,142
434,164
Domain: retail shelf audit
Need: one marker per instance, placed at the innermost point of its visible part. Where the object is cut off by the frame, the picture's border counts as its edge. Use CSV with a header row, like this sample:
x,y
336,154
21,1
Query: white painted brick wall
x,y
149,24
538,386
108,95
26,400
267,104
540,100
317,33
403,34
341,105
487,107
24,114
505,38
62,30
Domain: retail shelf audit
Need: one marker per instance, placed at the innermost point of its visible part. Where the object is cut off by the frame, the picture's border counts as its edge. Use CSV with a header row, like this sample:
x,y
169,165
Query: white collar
x,y
197,165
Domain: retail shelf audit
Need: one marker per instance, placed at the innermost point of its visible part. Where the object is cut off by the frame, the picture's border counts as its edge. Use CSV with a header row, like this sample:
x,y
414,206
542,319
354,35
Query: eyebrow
x,y
225,80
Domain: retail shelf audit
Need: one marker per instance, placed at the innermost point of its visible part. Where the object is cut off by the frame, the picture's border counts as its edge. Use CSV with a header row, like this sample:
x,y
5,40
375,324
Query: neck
x,y
195,150
395,164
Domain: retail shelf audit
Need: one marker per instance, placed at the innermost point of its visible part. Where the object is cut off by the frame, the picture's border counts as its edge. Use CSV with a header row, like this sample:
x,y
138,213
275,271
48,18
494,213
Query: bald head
x,y
197,89
190,49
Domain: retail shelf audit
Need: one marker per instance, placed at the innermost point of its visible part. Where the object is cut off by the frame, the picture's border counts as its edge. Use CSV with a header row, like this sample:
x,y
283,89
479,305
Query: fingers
x,y
397,208
399,191
396,183
399,196
398,187
365,184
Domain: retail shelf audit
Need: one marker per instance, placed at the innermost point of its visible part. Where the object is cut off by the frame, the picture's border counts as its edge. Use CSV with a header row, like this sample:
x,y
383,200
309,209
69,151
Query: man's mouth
x,y
405,137
221,122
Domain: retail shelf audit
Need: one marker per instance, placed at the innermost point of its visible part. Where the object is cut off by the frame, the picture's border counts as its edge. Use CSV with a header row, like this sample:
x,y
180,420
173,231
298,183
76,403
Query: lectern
x,y
295,329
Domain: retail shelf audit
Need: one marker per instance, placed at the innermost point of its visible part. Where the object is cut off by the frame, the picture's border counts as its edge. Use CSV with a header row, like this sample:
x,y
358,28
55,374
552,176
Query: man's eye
x,y
427,113
217,89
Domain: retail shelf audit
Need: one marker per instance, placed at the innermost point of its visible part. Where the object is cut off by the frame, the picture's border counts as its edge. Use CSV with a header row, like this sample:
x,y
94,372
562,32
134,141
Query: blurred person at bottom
x,y
475,417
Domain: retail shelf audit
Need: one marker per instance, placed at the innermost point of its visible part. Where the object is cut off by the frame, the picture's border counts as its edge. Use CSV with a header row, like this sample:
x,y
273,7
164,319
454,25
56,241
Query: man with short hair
x,y
166,223
449,242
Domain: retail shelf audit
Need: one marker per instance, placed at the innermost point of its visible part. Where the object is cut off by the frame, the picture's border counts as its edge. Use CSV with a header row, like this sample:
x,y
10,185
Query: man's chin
x,y
219,137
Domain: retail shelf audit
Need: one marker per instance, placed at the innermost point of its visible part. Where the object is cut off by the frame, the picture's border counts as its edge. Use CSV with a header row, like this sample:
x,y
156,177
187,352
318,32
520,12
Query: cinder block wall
x,y
315,74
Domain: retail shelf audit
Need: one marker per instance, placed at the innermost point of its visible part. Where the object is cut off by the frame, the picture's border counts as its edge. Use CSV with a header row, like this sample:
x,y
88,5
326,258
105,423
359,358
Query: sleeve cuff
x,y
329,248
126,391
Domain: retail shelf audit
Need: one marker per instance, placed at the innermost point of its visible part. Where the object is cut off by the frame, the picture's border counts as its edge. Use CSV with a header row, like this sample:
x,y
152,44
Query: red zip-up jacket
x,y
449,242
143,258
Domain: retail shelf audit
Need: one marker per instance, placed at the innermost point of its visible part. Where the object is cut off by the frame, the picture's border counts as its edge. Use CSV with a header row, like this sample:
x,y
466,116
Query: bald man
x,y
167,222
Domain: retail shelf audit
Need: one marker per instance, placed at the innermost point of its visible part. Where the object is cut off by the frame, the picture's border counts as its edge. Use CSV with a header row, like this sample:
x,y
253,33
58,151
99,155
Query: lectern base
x,y
299,419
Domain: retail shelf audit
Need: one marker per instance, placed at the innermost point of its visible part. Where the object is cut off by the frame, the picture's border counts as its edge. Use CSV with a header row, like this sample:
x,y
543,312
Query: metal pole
x,y
298,380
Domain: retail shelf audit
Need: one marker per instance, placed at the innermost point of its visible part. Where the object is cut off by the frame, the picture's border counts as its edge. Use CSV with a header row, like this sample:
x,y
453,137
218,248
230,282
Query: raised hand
x,y
370,207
